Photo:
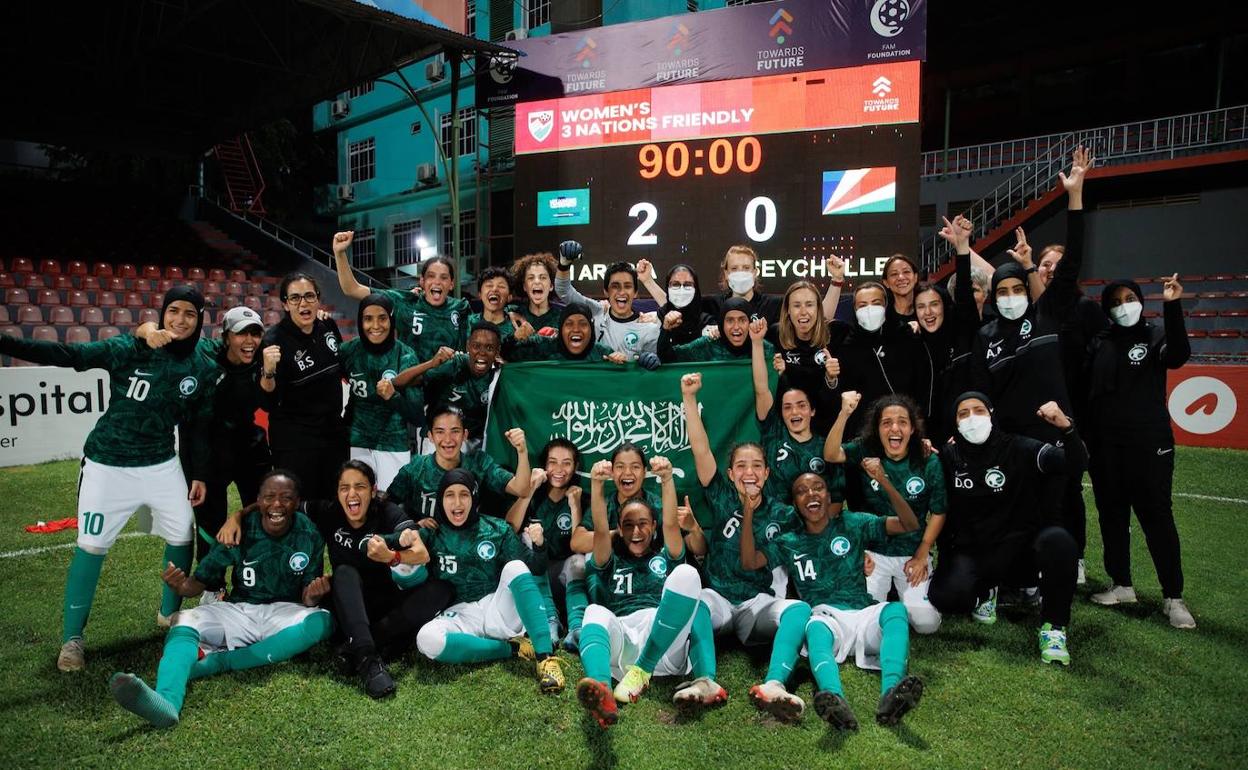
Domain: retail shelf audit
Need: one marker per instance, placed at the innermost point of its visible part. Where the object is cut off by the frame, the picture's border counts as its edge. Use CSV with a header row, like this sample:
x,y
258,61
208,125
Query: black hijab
x,y
450,478
183,348
729,305
574,309
386,304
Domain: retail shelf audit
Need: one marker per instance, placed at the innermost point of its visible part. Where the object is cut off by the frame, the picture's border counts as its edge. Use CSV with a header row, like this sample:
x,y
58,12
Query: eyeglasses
x,y
299,299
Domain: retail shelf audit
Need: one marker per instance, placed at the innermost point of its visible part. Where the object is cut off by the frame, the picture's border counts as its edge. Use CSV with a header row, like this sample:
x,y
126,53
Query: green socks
x,y
576,601
283,645
161,706
596,653
80,583
548,600
788,642
466,648
180,555
819,642
532,611
894,646
702,643
675,611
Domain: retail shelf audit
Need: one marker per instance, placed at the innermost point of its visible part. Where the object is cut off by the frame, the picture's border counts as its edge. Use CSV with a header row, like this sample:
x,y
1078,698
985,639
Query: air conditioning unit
x,y
340,108
519,33
346,192
427,173
435,70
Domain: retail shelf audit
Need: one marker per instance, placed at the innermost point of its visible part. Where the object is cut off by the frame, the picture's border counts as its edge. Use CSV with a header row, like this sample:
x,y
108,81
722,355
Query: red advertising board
x,y
1209,406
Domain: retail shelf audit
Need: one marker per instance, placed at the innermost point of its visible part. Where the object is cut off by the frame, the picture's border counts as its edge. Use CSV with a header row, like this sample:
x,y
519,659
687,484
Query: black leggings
x,y
383,616
315,467
245,470
1139,477
964,577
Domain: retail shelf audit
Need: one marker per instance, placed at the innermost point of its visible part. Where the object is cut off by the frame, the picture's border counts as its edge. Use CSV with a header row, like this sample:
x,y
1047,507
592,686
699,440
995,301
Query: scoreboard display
x,y
798,166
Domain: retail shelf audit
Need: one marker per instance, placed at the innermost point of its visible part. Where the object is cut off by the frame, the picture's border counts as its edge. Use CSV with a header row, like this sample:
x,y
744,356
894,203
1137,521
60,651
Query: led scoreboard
x,y
799,166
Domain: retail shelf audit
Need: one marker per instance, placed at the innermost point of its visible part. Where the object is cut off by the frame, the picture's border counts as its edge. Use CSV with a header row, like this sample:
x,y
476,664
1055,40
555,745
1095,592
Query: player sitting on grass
x,y
748,602
643,599
497,600
825,558
129,455
270,616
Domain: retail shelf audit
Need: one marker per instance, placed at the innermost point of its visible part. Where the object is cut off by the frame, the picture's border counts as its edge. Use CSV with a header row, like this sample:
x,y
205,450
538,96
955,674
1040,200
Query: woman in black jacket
x,y
1132,444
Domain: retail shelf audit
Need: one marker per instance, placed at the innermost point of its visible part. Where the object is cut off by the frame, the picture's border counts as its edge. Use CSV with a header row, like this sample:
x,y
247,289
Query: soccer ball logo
x,y
887,17
298,562
817,465
994,478
486,550
658,565
914,485
1137,352
840,545
564,522
188,385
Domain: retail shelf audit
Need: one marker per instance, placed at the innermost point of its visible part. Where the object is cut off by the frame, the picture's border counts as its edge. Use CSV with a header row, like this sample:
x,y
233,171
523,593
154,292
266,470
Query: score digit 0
x,y
722,157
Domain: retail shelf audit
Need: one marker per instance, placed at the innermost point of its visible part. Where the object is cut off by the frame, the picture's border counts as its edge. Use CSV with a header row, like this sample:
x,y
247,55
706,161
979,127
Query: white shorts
x,y
385,464
569,569
108,496
891,571
857,630
493,616
229,625
754,621
628,636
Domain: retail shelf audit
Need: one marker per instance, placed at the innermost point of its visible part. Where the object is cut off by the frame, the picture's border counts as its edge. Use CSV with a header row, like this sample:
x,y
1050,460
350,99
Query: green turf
x,y
1139,694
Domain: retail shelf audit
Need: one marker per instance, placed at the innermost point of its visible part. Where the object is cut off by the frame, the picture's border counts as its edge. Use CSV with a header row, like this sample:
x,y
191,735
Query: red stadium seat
x,y
35,281
122,317
151,272
1190,278
1221,277
158,300
195,273
135,299
107,332
255,288
216,274
238,275
212,287
92,316
45,334
254,303
273,303
106,299
6,281
90,283
1212,295
272,317
29,314
149,314
14,296
1234,313
116,284
127,270
214,332
12,331
141,284
164,285
173,272
4,314
1203,314
21,265
62,282
49,267
76,267
230,300
102,270
49,297
235,288
61,316
77,334
1225,333
1197,333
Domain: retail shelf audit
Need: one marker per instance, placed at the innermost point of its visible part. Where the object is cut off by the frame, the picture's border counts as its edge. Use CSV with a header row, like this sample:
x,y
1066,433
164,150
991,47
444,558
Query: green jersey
x,y
827,566
556,520
378,423
548,349
472,559
707,349
505,329
923,490
266,569
150,392
724,572
626,583
789,458
547,320
425,328
415,487
453,384
614,505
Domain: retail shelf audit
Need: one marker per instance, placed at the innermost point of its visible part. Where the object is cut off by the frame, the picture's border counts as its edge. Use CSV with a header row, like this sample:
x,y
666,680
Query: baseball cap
x,y
238,318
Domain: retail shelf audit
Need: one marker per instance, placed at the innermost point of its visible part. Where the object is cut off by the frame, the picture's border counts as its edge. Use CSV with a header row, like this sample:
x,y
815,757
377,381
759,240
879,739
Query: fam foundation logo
x,y
586,52
888,17
780,26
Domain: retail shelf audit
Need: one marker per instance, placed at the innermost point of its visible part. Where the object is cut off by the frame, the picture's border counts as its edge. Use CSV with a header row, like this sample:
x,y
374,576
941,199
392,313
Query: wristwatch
x,y
1030,270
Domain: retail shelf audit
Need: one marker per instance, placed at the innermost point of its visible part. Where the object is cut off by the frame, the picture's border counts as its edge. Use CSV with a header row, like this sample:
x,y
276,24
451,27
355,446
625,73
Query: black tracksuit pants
x,y
373,615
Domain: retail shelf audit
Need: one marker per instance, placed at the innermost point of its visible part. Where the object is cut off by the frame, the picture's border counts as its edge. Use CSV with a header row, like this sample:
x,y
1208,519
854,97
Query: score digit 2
x,y
721,157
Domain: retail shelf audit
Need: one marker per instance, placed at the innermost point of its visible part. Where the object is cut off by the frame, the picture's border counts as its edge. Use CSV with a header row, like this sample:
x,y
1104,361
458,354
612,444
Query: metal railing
x,y
276,232
1047,155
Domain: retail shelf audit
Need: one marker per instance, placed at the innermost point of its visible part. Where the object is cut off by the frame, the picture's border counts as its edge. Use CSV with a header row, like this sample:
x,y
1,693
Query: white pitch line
x,y
47,548
1210,497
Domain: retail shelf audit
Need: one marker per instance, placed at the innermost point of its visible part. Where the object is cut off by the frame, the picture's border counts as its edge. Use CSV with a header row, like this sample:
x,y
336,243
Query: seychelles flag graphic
x,y
860,191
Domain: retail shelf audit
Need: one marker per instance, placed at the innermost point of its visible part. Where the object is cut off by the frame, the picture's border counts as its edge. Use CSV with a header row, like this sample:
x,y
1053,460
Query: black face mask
x,y
183,348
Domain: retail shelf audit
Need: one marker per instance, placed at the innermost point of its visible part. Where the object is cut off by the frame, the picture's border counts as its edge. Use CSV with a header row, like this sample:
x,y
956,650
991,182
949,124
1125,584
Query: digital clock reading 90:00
x,y
724,155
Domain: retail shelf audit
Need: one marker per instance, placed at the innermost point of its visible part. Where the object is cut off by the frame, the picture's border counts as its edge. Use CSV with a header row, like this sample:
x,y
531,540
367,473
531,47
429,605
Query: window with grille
x,y
362,160
467,132
364,249
404,236
467,234
536,13
470,18
360,90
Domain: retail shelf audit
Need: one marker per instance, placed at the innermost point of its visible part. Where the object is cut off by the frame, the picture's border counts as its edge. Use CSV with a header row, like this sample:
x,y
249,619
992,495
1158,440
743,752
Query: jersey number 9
x,y
249,577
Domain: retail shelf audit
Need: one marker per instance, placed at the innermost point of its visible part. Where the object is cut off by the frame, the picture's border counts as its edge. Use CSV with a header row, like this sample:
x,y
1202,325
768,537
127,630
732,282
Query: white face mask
x,y
741,281
975,428
1012,307
681,296
870,317
1126,314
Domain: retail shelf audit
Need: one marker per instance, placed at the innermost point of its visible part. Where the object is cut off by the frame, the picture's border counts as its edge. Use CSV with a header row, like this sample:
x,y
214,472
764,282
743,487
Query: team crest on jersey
x,y
994,478
389,374
455,320
658,565
486,550
817,465
331,342
1025,329
188,385
914,485
1137,352
298,562
875,485
840,545
772,530
782,453
564,522
630,340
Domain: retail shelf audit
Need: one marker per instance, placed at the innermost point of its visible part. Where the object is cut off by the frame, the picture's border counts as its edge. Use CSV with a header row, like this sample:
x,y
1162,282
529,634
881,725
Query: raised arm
x,y
751,557
598,509
695,538
836,269
644,268
342,263
833,449
416,373
1176,350
672,540
763,398
1071,456
519,484
905,520
518,510
699,442
1021,253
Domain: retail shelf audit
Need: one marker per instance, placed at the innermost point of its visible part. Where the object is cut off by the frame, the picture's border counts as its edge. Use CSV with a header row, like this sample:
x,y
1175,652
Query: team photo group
x,y
920,459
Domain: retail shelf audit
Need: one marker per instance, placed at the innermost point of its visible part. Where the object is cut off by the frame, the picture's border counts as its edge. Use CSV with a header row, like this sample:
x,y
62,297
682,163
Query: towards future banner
x,y
725,44
598,407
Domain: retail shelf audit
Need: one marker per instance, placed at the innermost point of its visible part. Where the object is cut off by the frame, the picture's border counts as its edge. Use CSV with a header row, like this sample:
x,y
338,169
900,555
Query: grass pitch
x,y
1138,694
